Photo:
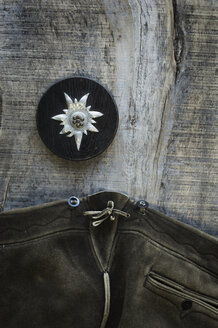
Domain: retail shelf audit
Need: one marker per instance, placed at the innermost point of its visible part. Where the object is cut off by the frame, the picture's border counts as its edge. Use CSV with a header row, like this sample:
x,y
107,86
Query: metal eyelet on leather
x,y
142,205
73,201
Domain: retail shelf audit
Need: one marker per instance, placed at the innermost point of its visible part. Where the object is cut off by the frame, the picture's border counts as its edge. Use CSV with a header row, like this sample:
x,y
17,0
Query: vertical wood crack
x,y
179,38
161,133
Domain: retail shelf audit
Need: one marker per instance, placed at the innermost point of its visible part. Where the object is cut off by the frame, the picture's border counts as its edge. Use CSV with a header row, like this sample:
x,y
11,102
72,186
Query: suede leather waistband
x,y
23,224
28,224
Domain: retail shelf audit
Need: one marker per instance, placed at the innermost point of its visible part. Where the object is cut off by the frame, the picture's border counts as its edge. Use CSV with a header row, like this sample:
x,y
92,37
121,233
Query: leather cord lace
x,y
108,213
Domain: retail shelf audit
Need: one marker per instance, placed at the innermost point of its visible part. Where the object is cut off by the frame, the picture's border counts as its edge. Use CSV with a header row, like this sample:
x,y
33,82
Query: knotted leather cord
x,y
97,218
109,212
107,297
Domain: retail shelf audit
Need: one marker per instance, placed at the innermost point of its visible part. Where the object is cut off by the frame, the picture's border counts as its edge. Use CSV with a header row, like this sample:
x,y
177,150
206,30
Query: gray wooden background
x,y
159,60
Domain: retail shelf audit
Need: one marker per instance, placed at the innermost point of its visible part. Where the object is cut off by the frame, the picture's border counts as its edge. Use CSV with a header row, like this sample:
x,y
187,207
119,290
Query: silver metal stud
x,y
73,201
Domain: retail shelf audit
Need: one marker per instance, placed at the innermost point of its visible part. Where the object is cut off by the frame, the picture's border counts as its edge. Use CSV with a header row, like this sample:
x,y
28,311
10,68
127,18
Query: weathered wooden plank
x,y
158,58
190,180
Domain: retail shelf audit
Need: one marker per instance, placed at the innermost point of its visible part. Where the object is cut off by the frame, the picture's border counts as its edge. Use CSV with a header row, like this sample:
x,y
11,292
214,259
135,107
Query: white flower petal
x,y
91,128
85,132
78,138
69,128
60,117
84,99
62,131
93,121
88,108
65,110
69,101
70,134
95,114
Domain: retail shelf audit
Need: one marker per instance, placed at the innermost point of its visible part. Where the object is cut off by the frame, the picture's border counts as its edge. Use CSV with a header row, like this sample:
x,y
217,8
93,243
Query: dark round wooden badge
x,y
77,118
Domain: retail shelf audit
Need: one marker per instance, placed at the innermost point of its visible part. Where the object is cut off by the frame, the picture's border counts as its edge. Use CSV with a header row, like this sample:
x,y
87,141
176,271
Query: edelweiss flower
x,y
77,119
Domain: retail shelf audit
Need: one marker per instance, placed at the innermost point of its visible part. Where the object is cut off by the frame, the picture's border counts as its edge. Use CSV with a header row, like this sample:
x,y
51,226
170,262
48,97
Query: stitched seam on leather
x,y
161,280
115,249
175,223
112,252
183,295
169,235
35,225
203,313
181,227
43,237
107,267
198,312
165,298
95,255
164,232
169,251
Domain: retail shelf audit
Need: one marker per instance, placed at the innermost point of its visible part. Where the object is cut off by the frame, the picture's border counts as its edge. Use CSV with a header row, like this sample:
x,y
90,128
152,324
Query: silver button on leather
x,y
73,201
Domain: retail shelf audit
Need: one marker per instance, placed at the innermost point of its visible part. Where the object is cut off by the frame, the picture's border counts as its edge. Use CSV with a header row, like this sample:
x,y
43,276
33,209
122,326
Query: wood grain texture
x,y
158,58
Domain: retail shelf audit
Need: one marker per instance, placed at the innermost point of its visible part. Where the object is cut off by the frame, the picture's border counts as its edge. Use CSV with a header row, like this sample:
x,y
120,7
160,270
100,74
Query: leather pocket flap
x,y
171,287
